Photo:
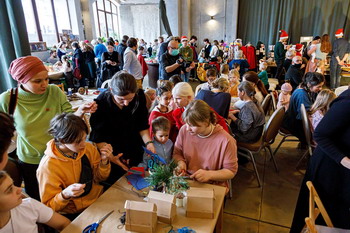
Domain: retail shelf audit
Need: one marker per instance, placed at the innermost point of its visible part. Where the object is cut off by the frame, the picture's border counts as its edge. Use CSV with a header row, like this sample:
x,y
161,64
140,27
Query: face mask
x,y
174,52
297,66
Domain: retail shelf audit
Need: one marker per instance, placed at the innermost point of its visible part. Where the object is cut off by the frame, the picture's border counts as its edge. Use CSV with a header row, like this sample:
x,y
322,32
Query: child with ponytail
x,y
248,125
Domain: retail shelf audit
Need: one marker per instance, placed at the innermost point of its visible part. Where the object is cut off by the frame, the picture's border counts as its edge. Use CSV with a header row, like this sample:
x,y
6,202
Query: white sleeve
x,y
43,213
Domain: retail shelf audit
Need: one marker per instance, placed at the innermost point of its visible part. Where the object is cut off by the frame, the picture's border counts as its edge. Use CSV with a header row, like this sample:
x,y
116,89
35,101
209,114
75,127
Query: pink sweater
x,y
219,151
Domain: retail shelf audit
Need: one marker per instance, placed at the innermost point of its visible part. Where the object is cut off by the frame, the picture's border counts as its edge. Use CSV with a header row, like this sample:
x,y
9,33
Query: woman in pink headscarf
x,y
37,103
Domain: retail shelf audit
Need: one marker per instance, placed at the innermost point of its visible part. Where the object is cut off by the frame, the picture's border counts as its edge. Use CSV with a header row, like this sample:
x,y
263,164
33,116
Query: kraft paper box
x,y
166,208
140,216
200,203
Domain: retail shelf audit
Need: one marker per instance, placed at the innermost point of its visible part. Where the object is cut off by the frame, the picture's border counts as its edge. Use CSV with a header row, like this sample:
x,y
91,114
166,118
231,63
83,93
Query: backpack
x,y
201,72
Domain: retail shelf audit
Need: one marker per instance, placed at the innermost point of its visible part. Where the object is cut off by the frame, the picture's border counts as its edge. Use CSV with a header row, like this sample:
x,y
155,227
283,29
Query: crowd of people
x,y
67,166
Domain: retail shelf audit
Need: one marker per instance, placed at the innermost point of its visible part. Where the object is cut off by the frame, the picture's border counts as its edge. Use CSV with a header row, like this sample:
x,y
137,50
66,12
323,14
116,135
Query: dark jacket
x,y
294,76
121,49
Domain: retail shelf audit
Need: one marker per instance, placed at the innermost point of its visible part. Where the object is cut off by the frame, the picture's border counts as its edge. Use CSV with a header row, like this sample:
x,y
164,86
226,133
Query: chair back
x,y
314,200
106,83
266,104
198,89
273,125
306,125
61,86
274,101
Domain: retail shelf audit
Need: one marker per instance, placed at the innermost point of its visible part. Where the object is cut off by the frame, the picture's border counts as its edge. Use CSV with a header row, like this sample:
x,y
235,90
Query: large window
x,y
106,18
45,20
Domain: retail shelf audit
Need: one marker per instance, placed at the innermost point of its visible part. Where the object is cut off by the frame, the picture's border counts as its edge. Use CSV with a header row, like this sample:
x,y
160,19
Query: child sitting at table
x,y
203,148
233,78
224,71
284,96
71,169
22,215
211,75
162,108
320,107
163,145
68,71
263,75
249,124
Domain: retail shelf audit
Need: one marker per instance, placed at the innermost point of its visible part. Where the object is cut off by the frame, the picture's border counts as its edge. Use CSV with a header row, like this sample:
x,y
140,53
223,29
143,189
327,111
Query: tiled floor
x,y
268,209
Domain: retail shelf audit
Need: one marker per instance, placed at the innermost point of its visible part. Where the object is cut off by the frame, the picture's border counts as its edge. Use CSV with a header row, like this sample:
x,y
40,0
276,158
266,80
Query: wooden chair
x,y
267,139
60,86
266,104
315,211
307,133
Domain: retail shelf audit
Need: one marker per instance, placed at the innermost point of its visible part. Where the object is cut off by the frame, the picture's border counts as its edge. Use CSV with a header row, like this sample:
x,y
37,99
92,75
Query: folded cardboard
x,y
140,216
166,207
200,203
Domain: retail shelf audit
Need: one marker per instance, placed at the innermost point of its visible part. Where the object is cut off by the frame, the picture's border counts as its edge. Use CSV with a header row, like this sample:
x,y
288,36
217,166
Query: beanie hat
x,y
339,32
286,87
23,69
283,35
183,38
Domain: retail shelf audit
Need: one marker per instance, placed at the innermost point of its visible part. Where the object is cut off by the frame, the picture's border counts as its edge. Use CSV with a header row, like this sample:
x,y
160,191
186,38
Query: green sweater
x,y
187,53
280,53
32,116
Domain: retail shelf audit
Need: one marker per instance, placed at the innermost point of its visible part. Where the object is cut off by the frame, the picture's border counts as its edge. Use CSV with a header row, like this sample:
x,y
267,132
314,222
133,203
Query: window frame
x,y
105,12
37,21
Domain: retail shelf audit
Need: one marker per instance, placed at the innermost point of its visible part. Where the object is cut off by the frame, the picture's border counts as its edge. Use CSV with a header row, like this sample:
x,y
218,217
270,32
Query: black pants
x,y
335,74
30,181
279,71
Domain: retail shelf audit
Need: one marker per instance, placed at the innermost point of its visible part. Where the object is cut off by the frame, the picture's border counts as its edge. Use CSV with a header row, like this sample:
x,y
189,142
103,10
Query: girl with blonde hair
x,y
233,78
217,98
321,106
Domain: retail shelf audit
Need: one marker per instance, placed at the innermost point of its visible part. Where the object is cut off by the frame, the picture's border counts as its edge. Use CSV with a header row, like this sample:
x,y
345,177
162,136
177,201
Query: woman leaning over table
x,y
37,103
122,121
203,148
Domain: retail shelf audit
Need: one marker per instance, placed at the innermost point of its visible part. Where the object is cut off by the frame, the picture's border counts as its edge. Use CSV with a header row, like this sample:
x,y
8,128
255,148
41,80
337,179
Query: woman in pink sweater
x,y
203,148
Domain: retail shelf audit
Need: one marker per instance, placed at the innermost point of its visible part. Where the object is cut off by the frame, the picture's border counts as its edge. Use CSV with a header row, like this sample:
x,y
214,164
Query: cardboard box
x,y
200,203
166,207
140,216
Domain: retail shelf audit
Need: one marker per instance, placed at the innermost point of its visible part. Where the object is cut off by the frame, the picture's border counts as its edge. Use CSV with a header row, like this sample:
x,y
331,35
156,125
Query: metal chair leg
x,y
230,188
273,158
255,168
279,145
302,157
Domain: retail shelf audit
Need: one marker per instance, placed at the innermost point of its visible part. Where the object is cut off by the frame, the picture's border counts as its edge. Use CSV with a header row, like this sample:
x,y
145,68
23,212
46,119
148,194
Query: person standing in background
x,y
280,54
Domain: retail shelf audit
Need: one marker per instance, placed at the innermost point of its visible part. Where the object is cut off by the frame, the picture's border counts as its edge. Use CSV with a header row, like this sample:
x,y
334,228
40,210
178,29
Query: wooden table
x,y
114,199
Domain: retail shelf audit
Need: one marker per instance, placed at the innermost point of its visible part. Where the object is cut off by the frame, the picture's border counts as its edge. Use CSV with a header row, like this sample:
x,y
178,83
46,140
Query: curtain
x,y
13,39
261,20
164,22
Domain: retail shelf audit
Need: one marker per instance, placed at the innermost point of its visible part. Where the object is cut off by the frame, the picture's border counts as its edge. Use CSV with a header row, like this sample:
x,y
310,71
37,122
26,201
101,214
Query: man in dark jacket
x,y
121,49
294,74
340,52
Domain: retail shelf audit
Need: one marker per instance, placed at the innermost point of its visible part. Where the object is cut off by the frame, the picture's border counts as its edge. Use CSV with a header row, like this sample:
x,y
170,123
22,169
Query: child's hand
x,y
181,168
73,190
201,176
106,152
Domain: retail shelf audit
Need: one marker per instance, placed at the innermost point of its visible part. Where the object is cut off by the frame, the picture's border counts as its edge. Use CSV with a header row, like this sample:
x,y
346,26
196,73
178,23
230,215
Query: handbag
x,y
76,71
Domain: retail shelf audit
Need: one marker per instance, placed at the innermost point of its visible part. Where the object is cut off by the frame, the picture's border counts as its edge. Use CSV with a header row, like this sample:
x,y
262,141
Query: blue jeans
x,y
185,76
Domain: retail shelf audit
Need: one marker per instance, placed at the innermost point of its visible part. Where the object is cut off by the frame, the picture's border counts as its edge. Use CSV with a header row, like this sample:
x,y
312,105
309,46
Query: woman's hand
x,y
201,176
90,107
116,160
73,190
181,168
106,152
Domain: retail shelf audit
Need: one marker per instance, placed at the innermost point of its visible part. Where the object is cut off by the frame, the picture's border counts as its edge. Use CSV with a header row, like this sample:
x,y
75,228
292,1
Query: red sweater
x,y
169,115
177,116
143,65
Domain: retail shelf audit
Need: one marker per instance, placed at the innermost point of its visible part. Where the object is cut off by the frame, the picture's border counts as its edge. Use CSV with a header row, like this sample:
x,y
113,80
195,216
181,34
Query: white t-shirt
x,y
25,216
